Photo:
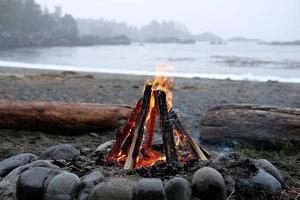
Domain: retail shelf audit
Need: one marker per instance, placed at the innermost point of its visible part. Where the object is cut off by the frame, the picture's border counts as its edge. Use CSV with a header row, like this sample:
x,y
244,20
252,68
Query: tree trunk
x,y
251,124
55,117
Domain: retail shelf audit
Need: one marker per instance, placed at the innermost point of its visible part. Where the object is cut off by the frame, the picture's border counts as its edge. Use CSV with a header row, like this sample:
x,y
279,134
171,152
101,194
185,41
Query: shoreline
x,y
234,77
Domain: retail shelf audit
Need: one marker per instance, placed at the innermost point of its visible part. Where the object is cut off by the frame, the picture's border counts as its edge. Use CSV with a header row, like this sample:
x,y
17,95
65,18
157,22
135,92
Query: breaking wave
x,y
246,76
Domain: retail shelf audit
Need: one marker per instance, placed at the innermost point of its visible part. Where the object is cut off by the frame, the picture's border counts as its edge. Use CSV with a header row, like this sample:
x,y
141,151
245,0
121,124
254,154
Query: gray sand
x,y
191,98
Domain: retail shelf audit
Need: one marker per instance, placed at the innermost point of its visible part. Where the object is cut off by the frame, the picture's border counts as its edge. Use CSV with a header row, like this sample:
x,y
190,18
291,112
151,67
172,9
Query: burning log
x,y
138,135
166,127
150,128
131,123
55,117
129,153
197,149
252,124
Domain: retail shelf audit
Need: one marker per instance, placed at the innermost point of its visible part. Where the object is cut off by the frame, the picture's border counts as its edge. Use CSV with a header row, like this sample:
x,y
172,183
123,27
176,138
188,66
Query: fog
x,y
269,19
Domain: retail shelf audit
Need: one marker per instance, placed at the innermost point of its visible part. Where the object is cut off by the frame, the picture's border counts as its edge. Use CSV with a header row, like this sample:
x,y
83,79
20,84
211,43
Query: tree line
x,y
154,30
24,23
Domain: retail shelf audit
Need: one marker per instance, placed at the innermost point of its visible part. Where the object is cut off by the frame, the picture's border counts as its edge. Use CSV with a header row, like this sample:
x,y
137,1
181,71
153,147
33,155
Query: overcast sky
x,y
264,19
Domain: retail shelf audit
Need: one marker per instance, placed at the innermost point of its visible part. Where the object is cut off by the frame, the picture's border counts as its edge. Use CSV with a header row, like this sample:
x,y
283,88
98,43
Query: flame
x,y
149,157
146,155
163,82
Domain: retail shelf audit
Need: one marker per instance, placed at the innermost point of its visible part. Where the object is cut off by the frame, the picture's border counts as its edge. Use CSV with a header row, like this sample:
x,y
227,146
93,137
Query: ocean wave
x,y
237,77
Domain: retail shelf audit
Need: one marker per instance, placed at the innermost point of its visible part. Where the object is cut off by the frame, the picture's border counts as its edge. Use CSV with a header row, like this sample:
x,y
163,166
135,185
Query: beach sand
x,y
191,97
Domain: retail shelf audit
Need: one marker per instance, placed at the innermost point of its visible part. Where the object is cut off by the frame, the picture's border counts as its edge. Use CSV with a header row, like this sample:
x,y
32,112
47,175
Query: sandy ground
x,y
191,98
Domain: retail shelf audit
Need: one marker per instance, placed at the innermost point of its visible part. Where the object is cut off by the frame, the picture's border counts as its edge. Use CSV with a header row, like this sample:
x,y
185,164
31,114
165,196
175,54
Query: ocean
x,y
231,60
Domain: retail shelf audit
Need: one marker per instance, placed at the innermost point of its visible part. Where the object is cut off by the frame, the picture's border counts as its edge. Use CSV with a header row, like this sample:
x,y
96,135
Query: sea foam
x,y
246,76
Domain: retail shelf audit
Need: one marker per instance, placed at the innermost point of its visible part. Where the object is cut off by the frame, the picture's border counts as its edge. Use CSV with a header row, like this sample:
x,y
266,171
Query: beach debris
x,y
57,117
133,147
252,124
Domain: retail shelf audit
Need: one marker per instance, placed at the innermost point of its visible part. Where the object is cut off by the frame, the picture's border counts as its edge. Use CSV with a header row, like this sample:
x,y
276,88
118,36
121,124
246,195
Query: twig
x,y
231,194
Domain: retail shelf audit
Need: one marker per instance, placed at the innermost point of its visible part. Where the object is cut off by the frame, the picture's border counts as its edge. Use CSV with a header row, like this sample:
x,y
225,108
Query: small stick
x,y
230,194
195,146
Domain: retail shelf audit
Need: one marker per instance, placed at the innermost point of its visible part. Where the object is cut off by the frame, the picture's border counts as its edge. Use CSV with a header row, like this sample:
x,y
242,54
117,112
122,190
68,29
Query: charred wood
x,y
166,127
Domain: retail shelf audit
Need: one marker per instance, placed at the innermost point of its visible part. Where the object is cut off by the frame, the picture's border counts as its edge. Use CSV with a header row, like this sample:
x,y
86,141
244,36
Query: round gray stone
x,y
30,183
60,152
207,184
150,189
62,187
8,184
262,185
13,162
87,184
114,189
178,189
271,169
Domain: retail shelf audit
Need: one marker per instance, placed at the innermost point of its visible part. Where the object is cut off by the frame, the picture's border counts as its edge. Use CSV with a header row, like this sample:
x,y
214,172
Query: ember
x,y
133,147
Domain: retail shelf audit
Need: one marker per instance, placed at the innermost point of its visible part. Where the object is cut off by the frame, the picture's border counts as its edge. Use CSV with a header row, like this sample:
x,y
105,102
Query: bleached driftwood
x,y
56,117
251,123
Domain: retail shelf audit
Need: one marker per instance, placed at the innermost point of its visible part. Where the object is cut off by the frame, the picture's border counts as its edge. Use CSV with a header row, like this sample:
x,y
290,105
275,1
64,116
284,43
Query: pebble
x,y
63,186
87,184
84,151
60,152
178,189
150,189
105,146
262,184
96,135
114,189
13,162
8,184
208,184
271,169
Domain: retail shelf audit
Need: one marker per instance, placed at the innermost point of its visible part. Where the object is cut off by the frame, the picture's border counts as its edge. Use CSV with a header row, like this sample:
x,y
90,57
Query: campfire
x,y
133,147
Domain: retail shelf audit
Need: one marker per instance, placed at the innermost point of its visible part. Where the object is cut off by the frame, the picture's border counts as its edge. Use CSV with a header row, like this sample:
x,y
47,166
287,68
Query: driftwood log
x,y
55,117
251,124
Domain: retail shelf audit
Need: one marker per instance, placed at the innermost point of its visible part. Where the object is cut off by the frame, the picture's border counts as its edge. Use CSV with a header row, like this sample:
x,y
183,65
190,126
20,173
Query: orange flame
x,y
163,82
147,156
